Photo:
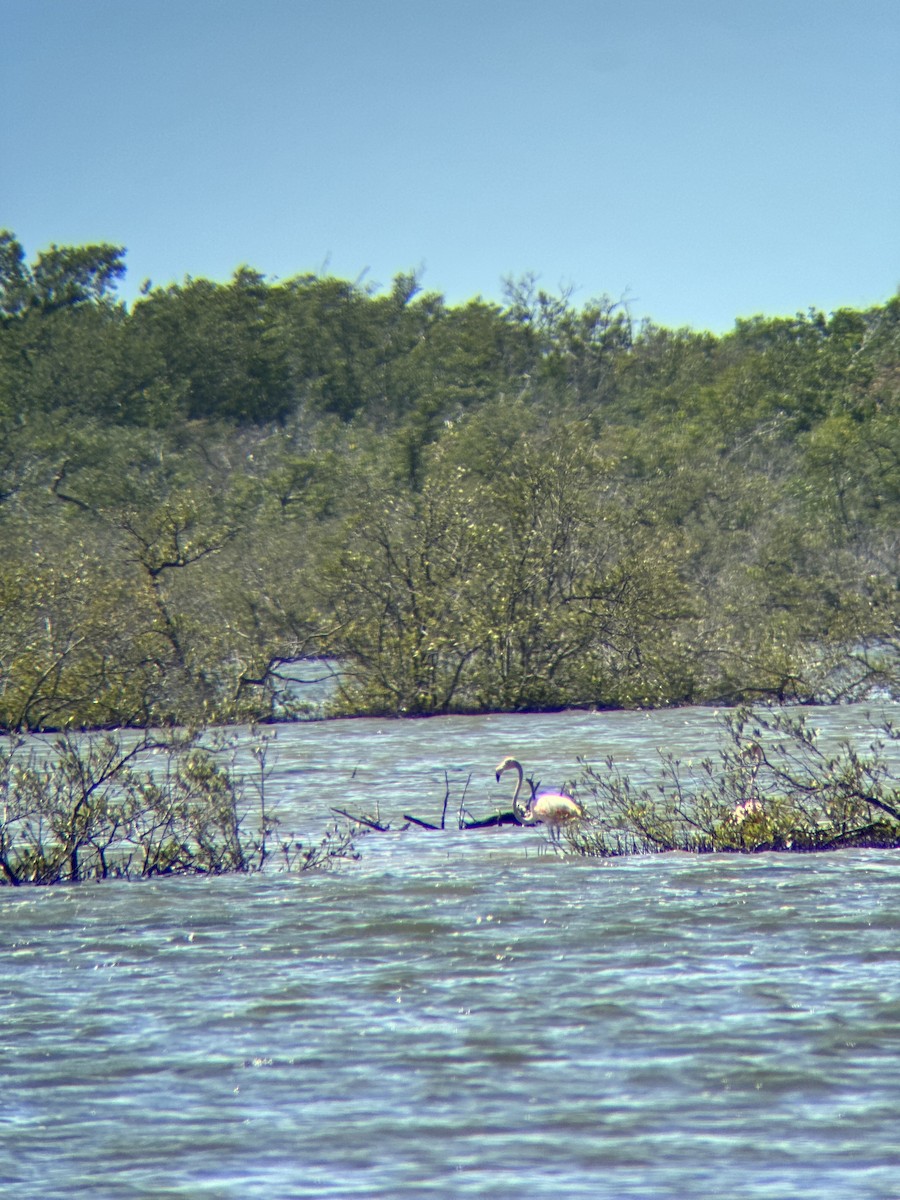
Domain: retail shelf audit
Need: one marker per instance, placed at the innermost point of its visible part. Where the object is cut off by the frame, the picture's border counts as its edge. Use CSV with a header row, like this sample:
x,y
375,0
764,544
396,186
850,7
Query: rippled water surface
x,y
460,1014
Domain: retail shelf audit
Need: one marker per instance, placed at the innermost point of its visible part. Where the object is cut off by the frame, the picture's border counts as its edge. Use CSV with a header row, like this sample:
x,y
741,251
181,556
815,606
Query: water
x,y
460,1014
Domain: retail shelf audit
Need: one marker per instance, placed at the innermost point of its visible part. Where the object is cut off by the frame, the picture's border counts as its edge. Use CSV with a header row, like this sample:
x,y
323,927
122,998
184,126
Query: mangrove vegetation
x,y
474,507
771,785
106,805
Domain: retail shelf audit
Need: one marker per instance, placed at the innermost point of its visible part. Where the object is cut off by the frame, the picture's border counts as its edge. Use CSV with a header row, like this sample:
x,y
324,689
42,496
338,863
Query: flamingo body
x,y
553,809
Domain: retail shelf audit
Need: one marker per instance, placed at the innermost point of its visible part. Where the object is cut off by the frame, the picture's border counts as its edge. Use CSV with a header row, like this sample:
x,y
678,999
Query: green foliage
x,y
472,507
218,350
104,807
771,787
61,277
516,582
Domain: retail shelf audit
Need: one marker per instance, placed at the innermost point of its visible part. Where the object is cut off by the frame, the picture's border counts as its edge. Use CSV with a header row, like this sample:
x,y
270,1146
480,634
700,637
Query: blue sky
x,y
701,159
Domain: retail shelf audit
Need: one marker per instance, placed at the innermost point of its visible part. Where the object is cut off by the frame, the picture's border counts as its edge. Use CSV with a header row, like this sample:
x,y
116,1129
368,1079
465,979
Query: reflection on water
x,y
460,1015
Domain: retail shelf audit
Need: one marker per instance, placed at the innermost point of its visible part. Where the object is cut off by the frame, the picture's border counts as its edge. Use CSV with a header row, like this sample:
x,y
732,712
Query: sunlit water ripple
x,y
460,1015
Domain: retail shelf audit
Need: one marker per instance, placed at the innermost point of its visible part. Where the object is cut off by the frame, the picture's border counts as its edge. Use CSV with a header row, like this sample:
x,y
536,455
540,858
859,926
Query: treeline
x,y
474,507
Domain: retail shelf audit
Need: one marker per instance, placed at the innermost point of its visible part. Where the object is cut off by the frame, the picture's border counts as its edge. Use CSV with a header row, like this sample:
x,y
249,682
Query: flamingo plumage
x,y
553,809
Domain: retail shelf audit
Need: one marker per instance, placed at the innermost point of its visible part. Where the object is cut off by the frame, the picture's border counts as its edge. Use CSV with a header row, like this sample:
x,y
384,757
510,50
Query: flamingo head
x,y
508,764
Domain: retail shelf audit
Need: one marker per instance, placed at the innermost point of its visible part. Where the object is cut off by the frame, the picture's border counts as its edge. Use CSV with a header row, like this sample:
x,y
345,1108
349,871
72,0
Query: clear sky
x,y
702,159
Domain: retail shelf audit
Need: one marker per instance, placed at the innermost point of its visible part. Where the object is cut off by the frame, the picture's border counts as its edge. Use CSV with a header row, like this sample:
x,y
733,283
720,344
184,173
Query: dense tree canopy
x,y
527,505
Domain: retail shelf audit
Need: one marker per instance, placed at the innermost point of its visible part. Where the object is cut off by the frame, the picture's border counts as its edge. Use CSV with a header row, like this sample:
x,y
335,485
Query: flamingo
x,y
753,755
553,809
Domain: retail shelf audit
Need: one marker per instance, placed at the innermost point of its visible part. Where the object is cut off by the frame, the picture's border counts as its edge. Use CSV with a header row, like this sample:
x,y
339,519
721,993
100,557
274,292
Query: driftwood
x,y
420,823
505,818
362,820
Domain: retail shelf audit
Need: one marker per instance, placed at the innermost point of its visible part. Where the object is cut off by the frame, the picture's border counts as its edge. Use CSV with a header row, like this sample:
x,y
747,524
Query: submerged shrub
x,y
98,806
770,787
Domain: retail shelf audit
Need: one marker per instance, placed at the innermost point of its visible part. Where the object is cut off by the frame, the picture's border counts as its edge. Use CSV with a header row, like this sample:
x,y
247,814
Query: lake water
x,y
461,1014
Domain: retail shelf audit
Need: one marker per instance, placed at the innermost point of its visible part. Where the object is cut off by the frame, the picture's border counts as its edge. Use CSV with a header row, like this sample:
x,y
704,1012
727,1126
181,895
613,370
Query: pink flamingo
x,y
553,809
754,756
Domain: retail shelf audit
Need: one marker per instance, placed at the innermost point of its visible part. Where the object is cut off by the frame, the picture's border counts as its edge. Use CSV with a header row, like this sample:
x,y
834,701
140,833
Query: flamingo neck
x,y
521,811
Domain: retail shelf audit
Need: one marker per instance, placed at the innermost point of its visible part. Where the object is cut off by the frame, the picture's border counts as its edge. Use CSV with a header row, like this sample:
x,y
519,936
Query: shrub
x,y
770,787
98,806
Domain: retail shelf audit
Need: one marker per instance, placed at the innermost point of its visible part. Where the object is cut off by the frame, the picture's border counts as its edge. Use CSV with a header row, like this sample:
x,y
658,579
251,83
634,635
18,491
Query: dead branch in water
x,y
357,819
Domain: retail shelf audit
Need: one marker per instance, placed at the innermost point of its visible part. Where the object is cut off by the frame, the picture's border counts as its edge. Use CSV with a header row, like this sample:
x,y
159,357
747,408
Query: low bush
x,y
771,786
100,806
